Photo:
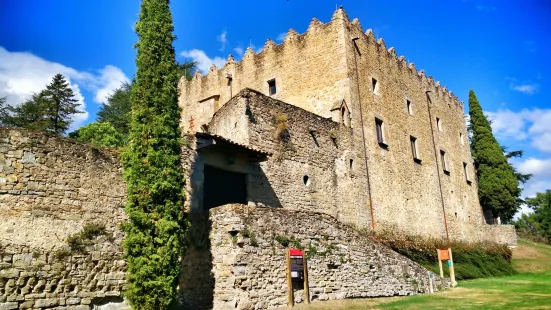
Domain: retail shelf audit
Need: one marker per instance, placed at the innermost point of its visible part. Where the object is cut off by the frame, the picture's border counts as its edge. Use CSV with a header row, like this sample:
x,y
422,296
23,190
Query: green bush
x,y
471,260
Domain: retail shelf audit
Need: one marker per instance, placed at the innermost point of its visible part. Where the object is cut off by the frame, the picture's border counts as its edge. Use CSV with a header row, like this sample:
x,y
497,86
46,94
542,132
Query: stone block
x,y
26,304
10,273
46,302
9,305
72,301
22,260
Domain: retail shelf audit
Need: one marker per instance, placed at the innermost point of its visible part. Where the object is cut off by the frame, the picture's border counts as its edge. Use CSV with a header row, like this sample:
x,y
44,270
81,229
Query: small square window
x,y
438,124
272,87
374,86
379,127
409,107
444,162
414,149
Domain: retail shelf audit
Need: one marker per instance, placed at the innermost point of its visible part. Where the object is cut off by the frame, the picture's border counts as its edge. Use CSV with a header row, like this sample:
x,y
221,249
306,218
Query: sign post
x,y
297,274
290,299
452,268
446,254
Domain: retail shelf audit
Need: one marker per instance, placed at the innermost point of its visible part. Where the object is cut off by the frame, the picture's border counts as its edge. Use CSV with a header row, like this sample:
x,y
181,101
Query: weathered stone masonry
x,y
50,188
250,263
336,67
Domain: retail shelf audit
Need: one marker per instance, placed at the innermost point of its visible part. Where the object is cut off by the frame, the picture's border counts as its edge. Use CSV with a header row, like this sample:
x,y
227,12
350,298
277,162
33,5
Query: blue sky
x,y
497,48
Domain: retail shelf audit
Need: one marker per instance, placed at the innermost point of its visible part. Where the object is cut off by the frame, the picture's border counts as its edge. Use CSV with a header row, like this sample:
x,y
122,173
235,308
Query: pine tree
x,y
497,184
152,168
60,104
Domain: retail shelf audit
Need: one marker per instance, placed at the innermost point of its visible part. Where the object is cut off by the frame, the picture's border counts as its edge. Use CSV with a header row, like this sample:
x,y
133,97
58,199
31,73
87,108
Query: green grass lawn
x,y
530,289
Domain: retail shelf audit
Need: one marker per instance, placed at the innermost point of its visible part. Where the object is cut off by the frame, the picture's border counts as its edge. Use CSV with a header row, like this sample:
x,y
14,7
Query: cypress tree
x,y
60,104
152,168
497,184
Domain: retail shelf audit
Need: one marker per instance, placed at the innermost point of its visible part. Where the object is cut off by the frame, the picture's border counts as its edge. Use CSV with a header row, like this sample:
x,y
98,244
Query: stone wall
x,y
51,188
316,169
250,269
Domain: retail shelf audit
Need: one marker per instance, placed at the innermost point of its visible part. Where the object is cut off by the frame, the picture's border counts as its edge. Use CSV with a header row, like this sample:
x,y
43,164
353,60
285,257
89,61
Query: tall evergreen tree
x,y
152,168
60,104
498,188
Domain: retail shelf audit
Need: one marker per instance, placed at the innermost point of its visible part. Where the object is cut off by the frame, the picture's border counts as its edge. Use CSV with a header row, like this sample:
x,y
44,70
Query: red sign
x,y
295,252
444,254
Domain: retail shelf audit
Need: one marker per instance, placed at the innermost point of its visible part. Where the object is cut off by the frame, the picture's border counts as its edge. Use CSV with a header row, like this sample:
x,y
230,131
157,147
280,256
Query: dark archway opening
x,y
223,187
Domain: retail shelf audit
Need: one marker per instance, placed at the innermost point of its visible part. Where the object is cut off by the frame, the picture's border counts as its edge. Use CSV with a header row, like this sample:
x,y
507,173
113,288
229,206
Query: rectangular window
x,y
272,87
374,86
379,125
438,124
461,139
414,149
467,177
410,109
444,163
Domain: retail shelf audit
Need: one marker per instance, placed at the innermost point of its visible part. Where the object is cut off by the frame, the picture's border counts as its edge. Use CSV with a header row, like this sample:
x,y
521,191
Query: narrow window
x,y
374,86
444,163
272,87
414,150
461,138
380,132
410,109
467,177
306,180
351,164
438,124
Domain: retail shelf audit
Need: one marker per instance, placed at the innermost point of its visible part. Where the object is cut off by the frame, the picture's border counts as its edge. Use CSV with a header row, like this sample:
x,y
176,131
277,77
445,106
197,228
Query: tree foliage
x,y
152,168
117,109
536,226
498,188
99,134
60,104
49,110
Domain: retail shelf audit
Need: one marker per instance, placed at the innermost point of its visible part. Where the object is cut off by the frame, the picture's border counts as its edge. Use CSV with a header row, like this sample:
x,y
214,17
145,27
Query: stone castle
x,y
333,121
306,141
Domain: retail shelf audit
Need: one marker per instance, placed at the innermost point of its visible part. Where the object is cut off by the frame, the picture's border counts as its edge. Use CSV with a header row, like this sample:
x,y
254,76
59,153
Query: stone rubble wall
x,y
50,188
249,265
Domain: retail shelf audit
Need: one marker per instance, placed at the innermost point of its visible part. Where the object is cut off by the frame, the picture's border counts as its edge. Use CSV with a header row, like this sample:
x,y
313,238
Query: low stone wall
x,y
51,188
248,261
504,234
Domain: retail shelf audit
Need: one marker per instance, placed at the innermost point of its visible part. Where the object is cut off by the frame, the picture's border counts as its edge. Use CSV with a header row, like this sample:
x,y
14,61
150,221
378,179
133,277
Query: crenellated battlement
x,y
304,66
369,38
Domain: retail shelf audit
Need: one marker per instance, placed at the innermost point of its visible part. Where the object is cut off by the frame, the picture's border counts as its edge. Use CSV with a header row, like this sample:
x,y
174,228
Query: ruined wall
x,y
249,264
294,64
50,188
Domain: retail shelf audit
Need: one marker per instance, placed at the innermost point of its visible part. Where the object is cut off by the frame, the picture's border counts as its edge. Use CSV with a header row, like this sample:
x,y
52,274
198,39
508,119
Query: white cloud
x,y
107,82
529,89
22,73
508,124
239,50
541,175
280,37
525,87
203,61
222,38
526,124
